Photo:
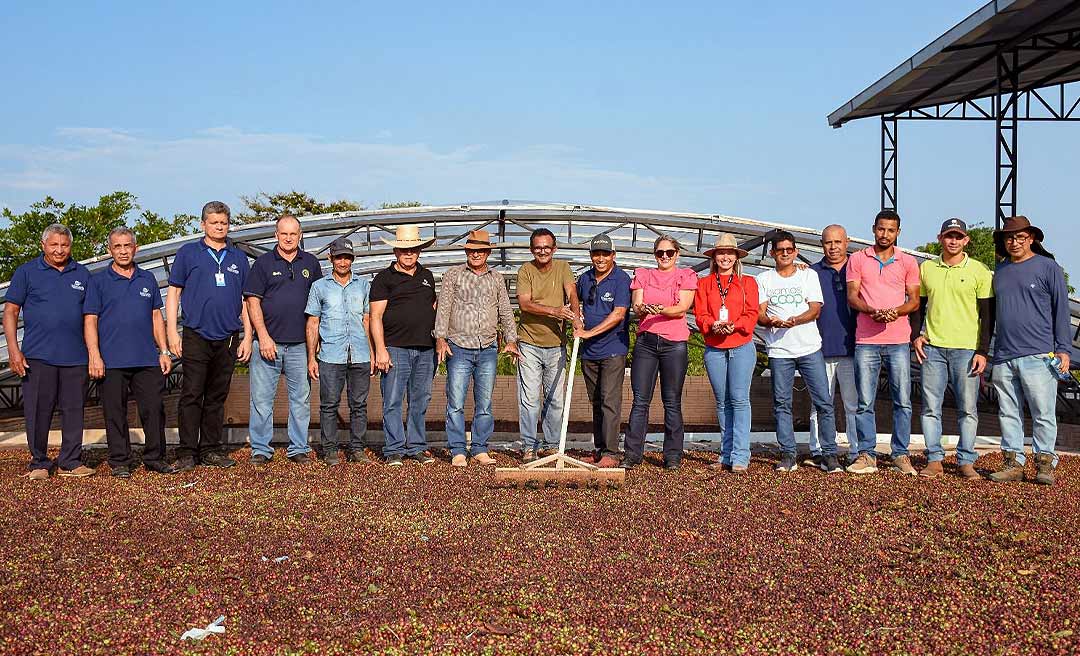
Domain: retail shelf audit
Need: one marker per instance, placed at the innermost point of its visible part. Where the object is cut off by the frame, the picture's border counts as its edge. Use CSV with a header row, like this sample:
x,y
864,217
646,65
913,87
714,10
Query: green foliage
x,y
89,225
268,207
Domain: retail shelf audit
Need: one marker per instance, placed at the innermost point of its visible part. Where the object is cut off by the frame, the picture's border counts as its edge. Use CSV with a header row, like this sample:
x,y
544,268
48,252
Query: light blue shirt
x,y
341,310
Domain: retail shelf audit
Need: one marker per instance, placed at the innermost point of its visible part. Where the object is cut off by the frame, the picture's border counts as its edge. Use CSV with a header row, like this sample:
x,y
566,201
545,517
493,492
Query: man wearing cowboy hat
x,y
1032,329
952,344
402,322
474,305
604,291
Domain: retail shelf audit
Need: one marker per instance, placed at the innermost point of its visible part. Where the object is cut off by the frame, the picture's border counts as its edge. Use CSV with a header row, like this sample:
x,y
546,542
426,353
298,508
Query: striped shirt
x,y
472,306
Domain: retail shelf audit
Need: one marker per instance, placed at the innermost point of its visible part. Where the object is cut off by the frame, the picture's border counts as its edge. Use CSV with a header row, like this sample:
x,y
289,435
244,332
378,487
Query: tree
x,y
268,207
89,225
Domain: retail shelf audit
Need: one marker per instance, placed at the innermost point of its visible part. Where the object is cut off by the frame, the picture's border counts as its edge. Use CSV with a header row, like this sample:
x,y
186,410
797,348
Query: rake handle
x,y
569,395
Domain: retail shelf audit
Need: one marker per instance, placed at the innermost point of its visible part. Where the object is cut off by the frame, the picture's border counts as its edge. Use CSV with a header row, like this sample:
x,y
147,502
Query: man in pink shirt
x,y
883,287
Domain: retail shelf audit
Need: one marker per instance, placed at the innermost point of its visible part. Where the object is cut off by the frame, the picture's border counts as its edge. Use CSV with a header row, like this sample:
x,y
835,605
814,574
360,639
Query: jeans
x,y
264,374
208,370
478,366
812,369
868,361
147,384
730,372
333,378
45,389
654,355
541,386
604,383
949,367
408,381
840,371
1028,378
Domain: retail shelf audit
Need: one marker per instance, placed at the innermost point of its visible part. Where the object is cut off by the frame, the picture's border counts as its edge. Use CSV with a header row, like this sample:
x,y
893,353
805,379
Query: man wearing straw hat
x,y
402,323
1032,345
473,305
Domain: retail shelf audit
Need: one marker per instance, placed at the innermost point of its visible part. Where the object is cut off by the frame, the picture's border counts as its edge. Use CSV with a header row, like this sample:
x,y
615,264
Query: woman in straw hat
x,y
726,309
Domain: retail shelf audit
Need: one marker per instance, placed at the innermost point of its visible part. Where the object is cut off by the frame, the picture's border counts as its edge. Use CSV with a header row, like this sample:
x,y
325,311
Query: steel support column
x,y
1006,122
889,155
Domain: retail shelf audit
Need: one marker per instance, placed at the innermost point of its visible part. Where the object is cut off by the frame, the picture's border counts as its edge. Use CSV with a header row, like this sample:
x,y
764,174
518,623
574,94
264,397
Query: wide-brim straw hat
x,y
727,241
478,240
408,236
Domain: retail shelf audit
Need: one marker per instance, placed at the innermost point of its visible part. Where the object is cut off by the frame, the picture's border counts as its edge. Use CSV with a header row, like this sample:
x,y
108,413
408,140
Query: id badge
x,y
219,279
722,315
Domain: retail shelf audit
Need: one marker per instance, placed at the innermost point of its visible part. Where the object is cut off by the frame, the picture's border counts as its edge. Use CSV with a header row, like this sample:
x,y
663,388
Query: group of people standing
x,y
836,323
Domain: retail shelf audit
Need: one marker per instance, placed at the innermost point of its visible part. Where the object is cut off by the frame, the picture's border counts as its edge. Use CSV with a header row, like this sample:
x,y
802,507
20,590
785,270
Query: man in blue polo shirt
x,y
277,291
836,323
604,291
210,275
125,337
49,293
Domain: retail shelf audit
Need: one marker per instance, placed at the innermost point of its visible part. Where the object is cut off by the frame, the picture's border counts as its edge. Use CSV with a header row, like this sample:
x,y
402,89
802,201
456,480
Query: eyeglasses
x,y
542,249
1018,239
787,250
671,252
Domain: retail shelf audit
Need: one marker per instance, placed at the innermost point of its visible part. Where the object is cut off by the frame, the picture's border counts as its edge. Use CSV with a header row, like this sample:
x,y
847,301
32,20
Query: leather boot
x,y
932,470
1044,469
968,472
1011,471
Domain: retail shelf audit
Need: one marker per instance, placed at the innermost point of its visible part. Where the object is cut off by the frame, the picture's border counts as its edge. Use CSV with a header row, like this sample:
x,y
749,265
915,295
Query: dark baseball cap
x,y
601,243
341,246
953,225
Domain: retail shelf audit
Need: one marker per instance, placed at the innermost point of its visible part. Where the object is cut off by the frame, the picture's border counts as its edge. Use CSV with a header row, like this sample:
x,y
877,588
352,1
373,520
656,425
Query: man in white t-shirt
x,y
790,302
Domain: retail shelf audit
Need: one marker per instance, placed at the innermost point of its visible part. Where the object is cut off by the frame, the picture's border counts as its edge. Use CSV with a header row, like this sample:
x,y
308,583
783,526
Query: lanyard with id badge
x,y
722,314
219,277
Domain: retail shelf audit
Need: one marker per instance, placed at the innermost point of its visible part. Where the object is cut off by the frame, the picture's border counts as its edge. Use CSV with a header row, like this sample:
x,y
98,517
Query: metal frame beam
x,y
1006,123
889,162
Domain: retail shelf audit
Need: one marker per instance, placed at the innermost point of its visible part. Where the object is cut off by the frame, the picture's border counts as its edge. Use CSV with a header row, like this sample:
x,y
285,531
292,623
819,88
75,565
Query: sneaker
x,y
968,472
1011,471
933,469
739,469
217,459
184,465
393,461
460,460
814,461
39,474
82,471
330,458
302,458
718,466
1044,469
484,458
259,460
422,458
864,464
787,463
903,465
831,465
159,467
607,462
528,456
121,471
357,455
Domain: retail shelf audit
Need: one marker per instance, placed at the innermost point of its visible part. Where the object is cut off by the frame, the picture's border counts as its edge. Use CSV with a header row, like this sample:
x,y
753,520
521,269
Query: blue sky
x,y
715,107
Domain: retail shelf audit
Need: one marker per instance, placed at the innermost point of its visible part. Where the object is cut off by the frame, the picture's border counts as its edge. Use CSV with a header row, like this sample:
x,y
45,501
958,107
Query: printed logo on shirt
x,y
78,286
306,273
277,273
425,283
786,296
145,293
232,269
607,297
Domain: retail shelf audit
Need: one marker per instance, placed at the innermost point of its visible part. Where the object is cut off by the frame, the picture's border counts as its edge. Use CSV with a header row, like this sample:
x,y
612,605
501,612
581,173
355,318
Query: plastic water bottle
x,y
1055,363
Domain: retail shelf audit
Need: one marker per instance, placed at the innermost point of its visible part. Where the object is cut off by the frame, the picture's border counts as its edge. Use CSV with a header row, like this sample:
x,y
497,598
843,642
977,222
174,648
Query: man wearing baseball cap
x,y
953,340
1032,345
604,291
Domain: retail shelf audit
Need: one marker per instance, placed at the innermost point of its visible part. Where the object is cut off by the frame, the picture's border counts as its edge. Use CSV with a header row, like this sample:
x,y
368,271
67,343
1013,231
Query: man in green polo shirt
x,y
953,343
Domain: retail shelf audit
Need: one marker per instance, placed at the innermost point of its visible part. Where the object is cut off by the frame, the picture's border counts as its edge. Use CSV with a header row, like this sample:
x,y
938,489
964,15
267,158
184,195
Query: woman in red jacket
x,y
726,309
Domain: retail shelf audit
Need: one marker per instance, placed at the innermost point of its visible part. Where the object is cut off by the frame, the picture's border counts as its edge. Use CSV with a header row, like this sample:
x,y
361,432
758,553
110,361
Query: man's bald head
x,y
834,245
835,231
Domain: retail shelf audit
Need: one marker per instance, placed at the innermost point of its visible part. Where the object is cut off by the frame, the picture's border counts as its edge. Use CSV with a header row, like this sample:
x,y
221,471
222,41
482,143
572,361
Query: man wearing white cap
x,y
402,324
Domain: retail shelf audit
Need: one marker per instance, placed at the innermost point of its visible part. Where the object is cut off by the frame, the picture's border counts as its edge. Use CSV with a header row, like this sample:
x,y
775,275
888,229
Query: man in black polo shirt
x,y
276,292
125,336
402,323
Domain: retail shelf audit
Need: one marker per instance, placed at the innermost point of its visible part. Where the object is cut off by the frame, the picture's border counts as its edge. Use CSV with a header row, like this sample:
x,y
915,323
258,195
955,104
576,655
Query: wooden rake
x,y
559,468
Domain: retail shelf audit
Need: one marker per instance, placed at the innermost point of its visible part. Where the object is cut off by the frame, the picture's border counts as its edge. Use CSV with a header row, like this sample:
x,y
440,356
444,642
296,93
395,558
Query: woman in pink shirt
x,y
660,298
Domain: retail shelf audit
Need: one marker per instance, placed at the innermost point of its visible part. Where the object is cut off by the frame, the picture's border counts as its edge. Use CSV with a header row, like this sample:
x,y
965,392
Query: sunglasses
x,y
410,251
787,250
542,249
671,252
478,252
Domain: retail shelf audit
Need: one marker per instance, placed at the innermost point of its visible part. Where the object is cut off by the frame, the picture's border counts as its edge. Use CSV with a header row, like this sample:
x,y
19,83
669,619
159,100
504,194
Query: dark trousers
x,y
655,355
332,379
45,389
147,384
208,369
603,383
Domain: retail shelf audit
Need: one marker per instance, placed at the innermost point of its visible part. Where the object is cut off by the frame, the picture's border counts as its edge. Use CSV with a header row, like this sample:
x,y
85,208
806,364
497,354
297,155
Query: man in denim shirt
x,y
339,353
